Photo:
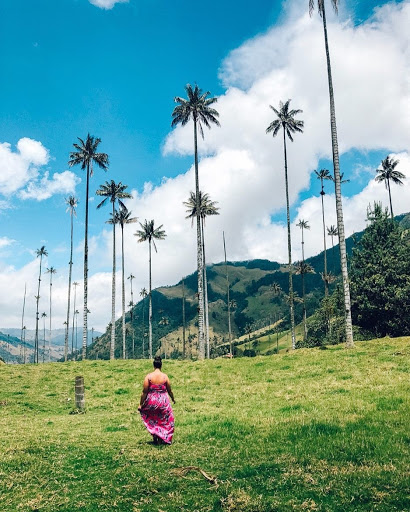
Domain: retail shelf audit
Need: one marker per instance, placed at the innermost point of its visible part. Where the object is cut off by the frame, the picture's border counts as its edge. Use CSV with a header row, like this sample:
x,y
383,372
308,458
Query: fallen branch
x,y
183,471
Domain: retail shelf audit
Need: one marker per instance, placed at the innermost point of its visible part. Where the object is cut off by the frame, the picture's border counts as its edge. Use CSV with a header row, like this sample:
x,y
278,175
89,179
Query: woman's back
x,y
157,377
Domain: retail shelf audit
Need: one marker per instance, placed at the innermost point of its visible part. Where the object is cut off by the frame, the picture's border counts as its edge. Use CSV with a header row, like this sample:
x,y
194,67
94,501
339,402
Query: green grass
x,y
307,430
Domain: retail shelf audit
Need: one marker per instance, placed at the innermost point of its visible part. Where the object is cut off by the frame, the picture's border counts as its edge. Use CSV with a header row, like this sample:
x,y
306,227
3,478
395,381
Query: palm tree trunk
x,y
183,319
228,299
324,244
69,291
338,194
44,339
112,345
206,310
201,340
36,341
292,314
123,293
49,339
72,334
150,308
85,312
304,291
391,205
22,321
143,327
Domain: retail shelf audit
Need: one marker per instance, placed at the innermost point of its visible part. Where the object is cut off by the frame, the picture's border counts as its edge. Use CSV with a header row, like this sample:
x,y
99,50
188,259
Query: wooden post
x,y
79,393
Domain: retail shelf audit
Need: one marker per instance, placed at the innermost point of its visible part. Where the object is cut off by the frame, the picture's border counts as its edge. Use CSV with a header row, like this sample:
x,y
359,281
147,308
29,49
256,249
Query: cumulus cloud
x,y
20,173
5,242
17,168
107,4
44,188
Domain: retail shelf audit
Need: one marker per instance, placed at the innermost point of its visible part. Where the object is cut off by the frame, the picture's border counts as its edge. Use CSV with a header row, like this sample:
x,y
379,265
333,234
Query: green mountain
x,y
256,304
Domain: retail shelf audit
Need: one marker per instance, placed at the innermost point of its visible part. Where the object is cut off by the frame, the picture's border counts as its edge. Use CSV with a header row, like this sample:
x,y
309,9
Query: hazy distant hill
x,y
12,349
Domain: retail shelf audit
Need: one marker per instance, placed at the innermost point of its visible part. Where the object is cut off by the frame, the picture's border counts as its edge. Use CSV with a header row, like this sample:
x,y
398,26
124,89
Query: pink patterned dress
x,y
157,414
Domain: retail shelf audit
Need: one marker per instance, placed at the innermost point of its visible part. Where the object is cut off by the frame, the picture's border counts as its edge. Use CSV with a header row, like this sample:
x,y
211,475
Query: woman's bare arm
x,y
144,393
169,390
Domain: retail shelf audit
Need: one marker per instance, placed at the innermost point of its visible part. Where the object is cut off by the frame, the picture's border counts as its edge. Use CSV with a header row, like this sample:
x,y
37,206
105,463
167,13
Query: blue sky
x,y
70,67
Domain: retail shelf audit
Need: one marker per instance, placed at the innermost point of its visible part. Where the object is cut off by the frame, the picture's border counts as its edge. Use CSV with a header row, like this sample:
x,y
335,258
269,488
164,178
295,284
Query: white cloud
x,y
20,173
18,168
107,4
44,188
5,242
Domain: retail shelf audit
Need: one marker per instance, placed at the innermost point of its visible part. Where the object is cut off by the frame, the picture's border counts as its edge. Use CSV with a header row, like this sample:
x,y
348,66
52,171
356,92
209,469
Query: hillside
x,y
318,430
255,305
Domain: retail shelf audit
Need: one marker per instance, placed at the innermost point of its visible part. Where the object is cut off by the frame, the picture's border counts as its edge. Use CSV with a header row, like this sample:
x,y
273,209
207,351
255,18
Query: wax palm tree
x,y
50,271
131,306
44,316
302,268
114,192
228,301
323,175
197,107
149,233
183,319
75,284
286,120
332,232
336,167
86,155
40,253
123,217
143,294
206,208
131,277
72,203
303,224
387,174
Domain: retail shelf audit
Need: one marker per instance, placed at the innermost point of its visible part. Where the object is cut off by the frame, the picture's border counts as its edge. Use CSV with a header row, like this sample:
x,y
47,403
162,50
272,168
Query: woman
x,y
155,407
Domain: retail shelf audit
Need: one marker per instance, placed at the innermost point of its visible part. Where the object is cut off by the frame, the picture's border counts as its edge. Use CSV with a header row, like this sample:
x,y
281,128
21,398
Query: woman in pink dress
x,y
155,407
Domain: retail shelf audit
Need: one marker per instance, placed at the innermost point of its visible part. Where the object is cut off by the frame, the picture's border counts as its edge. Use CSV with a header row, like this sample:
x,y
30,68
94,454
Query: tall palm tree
x,y
123,217
114,192
206,207
303,224
132,330
50,271
76,313
75,284
302,268
72,203
336,167
332,232
149,233
286,120
323,175
22,321
40,253
44,316
183,318
388,173
143,294
228,301
86,155
131,277
131,306
197,107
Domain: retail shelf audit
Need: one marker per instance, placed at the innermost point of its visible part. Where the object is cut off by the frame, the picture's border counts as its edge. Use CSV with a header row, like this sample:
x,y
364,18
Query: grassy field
x,y
308,430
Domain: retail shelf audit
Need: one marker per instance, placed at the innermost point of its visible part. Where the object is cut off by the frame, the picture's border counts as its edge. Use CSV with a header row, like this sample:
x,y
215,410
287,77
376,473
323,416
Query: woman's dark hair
x,y
157,362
